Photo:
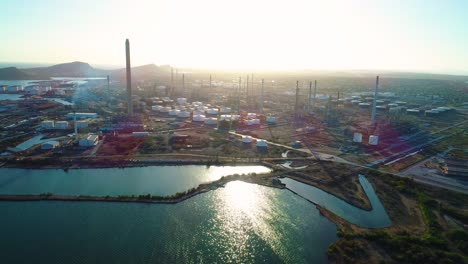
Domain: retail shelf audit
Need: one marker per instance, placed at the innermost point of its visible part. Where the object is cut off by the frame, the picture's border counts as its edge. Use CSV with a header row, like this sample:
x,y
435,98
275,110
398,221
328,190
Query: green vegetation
x,y
154,144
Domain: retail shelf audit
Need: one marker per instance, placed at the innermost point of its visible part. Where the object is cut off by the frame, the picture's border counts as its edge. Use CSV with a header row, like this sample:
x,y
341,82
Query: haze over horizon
x,y
420,36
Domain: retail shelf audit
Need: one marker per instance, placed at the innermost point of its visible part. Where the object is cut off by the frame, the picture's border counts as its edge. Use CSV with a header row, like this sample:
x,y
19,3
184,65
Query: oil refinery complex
x,y
198,115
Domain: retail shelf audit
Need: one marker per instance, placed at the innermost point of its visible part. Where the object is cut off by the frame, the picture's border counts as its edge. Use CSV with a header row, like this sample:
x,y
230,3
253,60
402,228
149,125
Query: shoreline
x,y
122,164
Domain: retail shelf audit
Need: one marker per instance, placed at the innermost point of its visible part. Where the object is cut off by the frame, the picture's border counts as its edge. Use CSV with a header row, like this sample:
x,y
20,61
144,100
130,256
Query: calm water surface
x,y
156,180
376,218
241,223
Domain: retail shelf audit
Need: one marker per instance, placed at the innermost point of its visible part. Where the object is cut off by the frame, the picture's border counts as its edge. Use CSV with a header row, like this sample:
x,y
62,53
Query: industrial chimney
x,y
374,104
129,78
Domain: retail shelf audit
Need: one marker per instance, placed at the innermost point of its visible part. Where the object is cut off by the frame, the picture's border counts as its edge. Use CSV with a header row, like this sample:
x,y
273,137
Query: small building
x,y
50,145
174,112
225,110
140,134
61,125
89,141
48,124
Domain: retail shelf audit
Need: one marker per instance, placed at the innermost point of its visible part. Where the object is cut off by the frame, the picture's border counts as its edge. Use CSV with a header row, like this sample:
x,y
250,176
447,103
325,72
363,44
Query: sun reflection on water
x,y
245,213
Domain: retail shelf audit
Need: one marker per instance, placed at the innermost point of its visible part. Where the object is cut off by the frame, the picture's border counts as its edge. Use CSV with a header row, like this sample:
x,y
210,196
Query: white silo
x,y
357,137
373,140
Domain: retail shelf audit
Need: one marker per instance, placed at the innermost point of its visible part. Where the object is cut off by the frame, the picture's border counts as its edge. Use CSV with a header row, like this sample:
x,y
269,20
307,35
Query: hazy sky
x,y
422,35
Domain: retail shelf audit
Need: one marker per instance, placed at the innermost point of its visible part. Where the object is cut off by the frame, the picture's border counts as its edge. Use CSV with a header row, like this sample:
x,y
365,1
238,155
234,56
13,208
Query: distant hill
x,y
13,73
81,69
72,69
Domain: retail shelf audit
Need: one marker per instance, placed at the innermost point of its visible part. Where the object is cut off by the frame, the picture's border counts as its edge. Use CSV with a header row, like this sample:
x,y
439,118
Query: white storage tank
x,y
271,119
373,140
181,100
165,109
212,111
247,139
198,118
48,124
226,110
174,112
261,143
357,137
61,125
211,121
50,145
156,107
248,122
183,114
81,124
251,115
256,121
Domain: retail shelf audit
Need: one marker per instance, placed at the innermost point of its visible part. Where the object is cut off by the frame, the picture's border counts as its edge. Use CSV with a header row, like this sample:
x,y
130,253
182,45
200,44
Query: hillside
x,y
13,73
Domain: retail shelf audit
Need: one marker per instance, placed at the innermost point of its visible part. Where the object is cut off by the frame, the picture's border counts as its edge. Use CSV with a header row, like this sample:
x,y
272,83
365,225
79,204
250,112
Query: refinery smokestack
x,y
108,90
374,104
129,78
309,97
261,97
315,95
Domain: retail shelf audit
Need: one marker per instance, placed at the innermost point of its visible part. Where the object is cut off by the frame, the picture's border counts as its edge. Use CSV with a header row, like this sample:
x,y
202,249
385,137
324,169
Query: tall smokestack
x,y
315,95
172,80
183,84
108,90
374,104
129,78
261,97
309,97
210,82
296,106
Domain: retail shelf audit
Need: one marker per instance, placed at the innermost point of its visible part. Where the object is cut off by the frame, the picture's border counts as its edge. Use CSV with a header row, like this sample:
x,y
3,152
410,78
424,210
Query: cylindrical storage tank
x,y
61,125
225,117
211,121
181,100
373,140
251,115
183,114
165,109
156,107
174,112
261,143
271,119
212,111
198,118
198,112
256,121
247,139
47,124
81,124
226,110
357,137
248,122
364,105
